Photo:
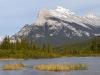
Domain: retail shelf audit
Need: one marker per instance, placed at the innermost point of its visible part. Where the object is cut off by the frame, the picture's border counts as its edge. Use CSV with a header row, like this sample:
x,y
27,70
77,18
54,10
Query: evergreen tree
x,y
5,43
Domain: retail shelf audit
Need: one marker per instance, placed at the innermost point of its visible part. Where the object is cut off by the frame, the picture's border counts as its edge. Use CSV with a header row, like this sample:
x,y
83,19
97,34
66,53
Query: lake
x,y
92,62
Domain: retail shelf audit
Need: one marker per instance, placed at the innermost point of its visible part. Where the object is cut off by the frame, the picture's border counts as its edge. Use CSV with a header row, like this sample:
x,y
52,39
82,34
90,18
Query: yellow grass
x,y
60,67
13,67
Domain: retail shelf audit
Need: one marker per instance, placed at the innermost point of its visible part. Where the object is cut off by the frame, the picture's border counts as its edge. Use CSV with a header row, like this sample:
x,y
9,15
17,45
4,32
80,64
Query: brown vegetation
x,y
13,67
60,67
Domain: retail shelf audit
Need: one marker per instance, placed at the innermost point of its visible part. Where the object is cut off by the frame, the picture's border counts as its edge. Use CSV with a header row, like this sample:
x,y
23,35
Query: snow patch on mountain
x,y
97,34
61,12
92,16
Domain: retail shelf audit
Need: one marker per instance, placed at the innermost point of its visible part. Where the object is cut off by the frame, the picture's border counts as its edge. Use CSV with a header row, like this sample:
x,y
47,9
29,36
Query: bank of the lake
x,y
41,54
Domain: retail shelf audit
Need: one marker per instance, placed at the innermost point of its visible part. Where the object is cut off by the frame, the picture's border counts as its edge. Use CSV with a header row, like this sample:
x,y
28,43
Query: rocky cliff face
x,y
59,26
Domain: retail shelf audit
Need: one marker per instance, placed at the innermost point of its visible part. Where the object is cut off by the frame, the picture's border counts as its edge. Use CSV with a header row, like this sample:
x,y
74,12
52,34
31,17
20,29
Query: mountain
x,y
60,25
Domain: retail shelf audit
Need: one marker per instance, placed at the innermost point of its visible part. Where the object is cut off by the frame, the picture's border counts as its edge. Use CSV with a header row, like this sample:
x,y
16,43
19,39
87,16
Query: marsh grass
x,y
13,67
60,67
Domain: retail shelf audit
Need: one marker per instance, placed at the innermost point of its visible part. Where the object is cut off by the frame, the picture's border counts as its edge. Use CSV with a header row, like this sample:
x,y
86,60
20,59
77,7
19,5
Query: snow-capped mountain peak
x,y
92,16
64,10
61,12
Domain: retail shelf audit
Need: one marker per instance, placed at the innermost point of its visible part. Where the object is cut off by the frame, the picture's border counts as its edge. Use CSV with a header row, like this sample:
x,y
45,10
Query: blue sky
x,y
14,14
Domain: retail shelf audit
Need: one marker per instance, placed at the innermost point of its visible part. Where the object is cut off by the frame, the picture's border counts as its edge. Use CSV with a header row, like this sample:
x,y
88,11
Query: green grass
x,y
36,54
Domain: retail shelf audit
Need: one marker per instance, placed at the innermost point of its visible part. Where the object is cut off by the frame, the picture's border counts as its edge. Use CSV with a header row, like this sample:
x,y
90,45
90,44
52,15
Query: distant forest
x,y
24,49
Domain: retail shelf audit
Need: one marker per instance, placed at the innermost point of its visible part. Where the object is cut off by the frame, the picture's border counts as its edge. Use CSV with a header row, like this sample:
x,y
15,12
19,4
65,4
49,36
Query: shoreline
x,y
14,59
6,59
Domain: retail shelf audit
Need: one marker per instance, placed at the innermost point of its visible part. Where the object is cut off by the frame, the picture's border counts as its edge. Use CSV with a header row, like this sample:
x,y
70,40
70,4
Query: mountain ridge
x,y
59,26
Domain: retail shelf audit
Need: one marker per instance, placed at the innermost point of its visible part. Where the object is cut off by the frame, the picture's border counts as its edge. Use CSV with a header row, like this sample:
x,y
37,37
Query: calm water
x,y
93,62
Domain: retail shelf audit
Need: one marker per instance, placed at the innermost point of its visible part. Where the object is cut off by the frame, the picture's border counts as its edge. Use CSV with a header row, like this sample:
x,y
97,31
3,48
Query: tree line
x,y
25,49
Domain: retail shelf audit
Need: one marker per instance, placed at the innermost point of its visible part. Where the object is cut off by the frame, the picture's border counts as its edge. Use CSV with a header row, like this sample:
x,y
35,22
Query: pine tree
x,y
5,43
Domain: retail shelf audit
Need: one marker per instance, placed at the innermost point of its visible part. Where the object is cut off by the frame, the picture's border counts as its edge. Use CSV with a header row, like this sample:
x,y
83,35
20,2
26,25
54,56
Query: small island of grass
x,y
60,67
13,67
